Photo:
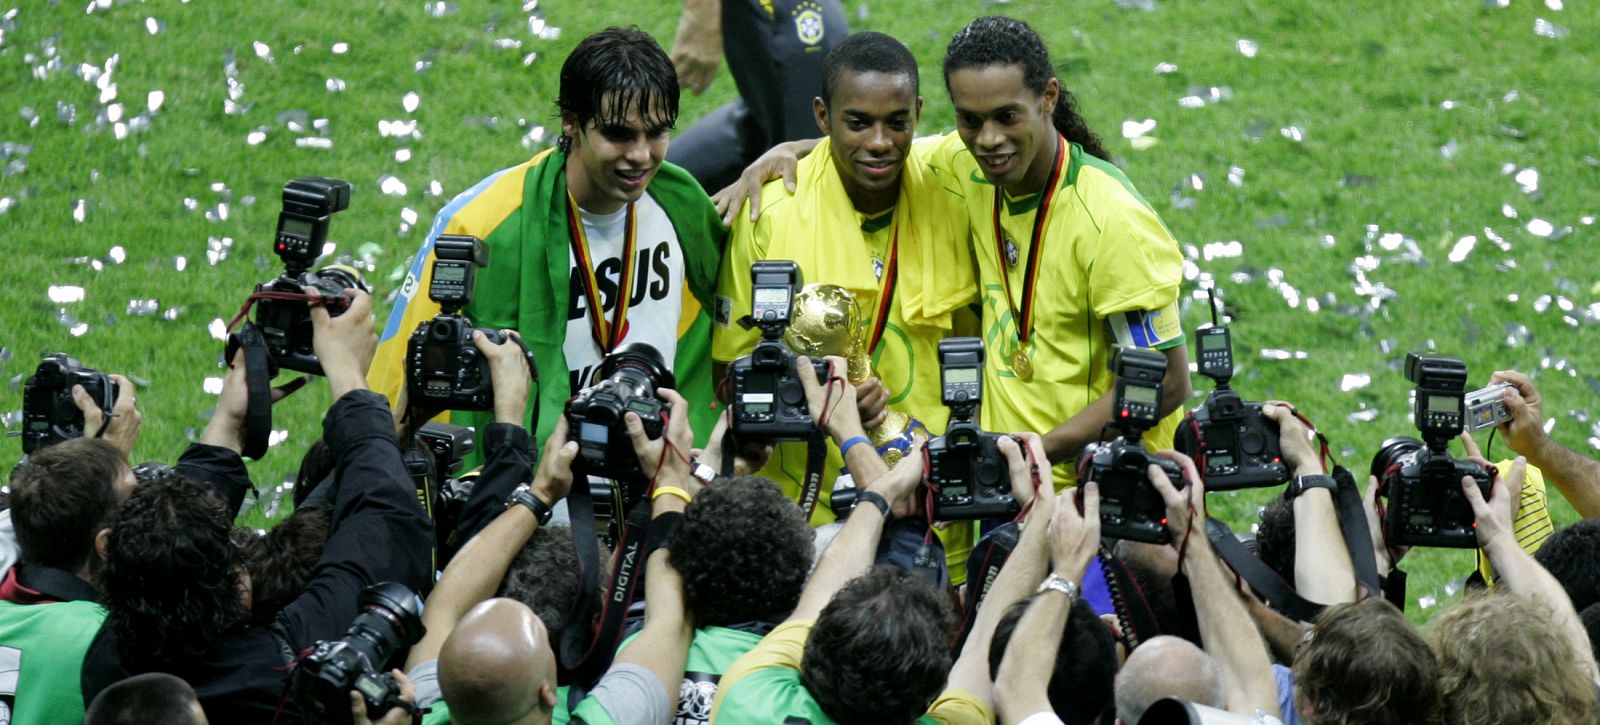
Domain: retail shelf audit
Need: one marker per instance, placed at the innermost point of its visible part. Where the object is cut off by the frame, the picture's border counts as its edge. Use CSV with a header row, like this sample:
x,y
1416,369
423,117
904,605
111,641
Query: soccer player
x,y
594,243
1071,259
869,216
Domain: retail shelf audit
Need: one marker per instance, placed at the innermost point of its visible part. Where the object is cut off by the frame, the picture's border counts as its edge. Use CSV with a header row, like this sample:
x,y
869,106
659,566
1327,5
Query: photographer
x,y
1323,572
1537,666
1576,475
496,661
173,588
867,644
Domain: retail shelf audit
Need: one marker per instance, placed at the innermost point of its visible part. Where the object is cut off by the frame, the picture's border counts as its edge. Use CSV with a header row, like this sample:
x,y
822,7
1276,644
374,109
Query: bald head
x,y
1167,667
497,666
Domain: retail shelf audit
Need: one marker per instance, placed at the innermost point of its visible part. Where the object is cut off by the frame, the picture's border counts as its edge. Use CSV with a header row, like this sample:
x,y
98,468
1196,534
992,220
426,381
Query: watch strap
x,y
524,496
1058,583
1301,483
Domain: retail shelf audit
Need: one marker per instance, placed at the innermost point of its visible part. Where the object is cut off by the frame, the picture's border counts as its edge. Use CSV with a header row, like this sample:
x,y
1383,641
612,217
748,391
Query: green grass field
x,y
1361,179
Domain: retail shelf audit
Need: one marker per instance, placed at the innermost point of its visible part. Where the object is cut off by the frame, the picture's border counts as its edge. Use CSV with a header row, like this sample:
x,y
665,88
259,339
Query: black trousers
x,y
776,61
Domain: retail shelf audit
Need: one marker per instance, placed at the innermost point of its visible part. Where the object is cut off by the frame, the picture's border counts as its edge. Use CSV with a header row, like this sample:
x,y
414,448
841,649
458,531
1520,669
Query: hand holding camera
x,y
1524,430
1294,439
447,368
390,620
123,428
1234,443
768,399
553,481
967,473
1494,516
51,411
665,457
1183,503
344,343
629,379
510,373
830,401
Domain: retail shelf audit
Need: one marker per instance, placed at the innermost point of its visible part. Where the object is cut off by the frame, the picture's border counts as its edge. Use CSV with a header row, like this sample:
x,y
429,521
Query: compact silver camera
x,y
1486,407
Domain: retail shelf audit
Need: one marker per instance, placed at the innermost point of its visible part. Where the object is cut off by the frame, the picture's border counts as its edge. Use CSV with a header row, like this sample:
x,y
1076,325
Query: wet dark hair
x,y
998,40
62,497
150,697
743,550
1086,665
170,581
626,63
867,52
880,650
1275,538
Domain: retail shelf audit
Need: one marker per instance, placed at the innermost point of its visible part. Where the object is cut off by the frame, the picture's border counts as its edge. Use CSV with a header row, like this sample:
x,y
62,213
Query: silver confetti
x,y
439,9
1354,381
1540,228
1462,248
218,329
1546,29
1293,133
1363,415
1166,68
75,326
1235,176
340,48
11,418
391,185
402,155
1528,179
1135,129
314,143
1449,149
1273,353
153,26
1555,5
212,385
263,51
143,308
1145,5
256,137
335,85
64,294
1247,48
171,313
29,115
410,101
435,189
80,210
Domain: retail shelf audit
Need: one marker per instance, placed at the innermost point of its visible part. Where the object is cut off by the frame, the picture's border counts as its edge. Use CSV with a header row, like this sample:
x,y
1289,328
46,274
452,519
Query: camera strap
x,y
816,460
984,562
1357,534
258,386
586,652
1266,583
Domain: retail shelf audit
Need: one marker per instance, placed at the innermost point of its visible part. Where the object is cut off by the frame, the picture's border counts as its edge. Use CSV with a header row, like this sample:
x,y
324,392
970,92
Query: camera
x,y
1486,407
444,369
629,377
1232,443
49,415
1419,479
769,402
1130,506
390,618
967,474
436,472
282,312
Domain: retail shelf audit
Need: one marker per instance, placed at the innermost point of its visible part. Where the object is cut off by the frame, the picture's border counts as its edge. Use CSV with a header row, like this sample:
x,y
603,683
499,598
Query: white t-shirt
x,y
656,300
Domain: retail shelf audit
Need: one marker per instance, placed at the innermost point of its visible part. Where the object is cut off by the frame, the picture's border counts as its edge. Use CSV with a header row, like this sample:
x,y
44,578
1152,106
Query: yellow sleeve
x,y
747,244
948,158
1137,265
784,646
959,707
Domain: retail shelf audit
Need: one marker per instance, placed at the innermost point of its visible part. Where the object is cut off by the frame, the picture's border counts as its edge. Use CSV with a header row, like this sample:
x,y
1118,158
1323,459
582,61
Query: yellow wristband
x,y
670,491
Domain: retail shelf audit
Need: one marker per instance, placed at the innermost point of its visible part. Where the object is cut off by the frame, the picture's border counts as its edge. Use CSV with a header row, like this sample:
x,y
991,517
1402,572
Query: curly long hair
x,y
743,550
999,40
171,579
280,561
1504,659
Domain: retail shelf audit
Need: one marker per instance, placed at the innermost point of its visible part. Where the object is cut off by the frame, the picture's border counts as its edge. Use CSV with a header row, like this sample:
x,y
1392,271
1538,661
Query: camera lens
x,y
1394,452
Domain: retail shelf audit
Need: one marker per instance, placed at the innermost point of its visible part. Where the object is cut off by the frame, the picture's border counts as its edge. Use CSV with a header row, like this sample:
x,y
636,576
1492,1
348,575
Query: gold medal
x,y
892,456
1021,365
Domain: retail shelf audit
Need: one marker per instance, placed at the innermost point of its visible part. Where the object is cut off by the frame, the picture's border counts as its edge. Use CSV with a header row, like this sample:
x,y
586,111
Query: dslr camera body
x,y
1419,479
1232,442
769,402
390,618
444,369
282,315
1130,506
49,416
629,377
967,474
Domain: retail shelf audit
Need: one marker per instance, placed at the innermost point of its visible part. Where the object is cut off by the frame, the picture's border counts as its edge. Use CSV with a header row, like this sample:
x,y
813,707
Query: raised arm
x,y
1226,630
1024,676
475,573
1023,570
1519,573
1576,475
1322,569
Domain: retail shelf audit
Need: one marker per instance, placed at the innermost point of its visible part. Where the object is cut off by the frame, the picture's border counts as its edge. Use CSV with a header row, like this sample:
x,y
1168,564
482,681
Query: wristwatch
x,y
1056,582
1316,480
524,495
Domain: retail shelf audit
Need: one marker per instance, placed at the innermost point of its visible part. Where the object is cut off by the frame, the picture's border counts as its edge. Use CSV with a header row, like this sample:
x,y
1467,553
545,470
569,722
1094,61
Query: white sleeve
x,y
8,542
1045,717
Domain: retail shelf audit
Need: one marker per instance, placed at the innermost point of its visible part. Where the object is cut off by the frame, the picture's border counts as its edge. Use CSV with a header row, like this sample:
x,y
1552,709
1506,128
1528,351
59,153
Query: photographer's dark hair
x,y
615,70
746,572
155,697
62,497
997,40
544,576
280,561
170,581
1275,538
880,651
1572,555
1086,664
867,52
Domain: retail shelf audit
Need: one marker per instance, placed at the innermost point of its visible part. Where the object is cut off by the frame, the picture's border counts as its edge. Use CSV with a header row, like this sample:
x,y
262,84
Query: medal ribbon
x,y
1025,316
606,335
886,295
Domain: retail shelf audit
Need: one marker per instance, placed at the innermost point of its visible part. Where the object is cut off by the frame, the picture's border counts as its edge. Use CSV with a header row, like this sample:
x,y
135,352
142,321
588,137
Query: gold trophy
x,y
827,321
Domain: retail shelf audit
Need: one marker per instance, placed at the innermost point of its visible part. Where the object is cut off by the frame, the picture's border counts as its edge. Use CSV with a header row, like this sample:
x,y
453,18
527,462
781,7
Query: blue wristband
x,y
844,450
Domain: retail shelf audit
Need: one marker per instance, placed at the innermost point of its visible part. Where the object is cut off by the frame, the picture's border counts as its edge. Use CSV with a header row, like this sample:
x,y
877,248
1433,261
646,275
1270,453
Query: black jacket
x,y
379,534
